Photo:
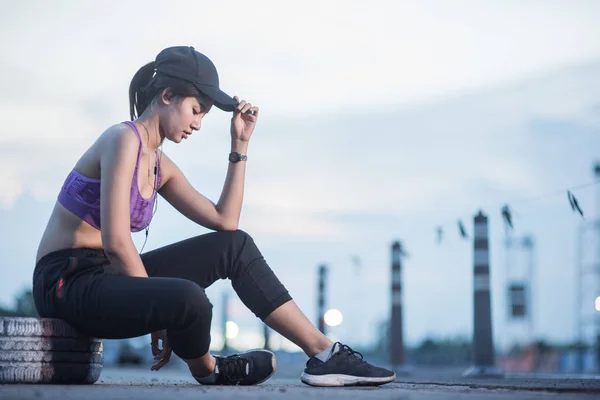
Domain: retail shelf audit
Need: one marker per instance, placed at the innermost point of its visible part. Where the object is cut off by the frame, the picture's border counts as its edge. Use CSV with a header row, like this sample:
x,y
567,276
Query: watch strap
x,y
234,157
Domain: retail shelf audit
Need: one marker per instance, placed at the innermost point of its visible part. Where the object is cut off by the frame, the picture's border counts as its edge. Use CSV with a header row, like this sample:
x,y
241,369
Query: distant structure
x,y
267,336
519,273
321,297
587,288
483,346
225,318
396,329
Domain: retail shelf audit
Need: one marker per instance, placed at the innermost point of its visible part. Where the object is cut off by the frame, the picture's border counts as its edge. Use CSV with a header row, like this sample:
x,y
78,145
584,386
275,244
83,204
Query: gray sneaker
x,y
345,367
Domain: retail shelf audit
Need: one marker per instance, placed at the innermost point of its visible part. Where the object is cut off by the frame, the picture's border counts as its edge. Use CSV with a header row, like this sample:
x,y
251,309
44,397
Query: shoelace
x,y
347,348
233,368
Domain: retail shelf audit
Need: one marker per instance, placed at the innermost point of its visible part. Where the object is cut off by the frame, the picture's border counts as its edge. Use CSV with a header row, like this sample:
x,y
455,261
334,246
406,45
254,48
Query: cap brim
x,y
222,100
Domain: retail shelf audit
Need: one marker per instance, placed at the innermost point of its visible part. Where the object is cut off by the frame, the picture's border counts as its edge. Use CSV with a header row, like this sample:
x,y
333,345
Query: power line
x,y
556,193
506,211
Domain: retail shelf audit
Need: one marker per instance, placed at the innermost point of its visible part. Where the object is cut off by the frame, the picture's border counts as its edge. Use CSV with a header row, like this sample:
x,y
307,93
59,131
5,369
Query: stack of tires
x,y
44,350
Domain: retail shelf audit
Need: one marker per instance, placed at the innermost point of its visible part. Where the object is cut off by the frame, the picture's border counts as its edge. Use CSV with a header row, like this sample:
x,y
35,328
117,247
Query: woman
x,y
89,273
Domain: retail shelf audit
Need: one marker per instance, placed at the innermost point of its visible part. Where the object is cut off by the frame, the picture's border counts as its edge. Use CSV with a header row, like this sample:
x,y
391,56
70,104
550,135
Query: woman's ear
x,y
167,96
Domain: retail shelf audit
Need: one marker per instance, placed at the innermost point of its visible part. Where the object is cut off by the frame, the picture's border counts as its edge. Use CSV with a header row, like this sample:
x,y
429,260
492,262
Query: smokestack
x,y
483,346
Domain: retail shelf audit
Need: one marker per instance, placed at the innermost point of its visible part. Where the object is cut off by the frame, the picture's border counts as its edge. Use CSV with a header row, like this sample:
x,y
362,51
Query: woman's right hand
x,y
243,121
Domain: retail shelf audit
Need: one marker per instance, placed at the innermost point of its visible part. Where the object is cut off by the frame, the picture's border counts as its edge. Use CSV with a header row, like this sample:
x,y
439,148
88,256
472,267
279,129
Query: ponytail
x,y
140,90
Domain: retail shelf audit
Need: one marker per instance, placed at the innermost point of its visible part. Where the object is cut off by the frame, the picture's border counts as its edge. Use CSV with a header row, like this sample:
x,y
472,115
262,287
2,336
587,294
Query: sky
x,y
379,121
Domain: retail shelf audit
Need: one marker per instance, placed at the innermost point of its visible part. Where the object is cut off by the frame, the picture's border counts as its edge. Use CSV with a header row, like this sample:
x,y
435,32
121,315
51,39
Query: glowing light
x,y
597,303
231,330
333,317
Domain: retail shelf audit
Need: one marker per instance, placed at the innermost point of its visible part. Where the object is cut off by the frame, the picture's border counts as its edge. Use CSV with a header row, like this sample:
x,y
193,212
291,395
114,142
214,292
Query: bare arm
x,y
117,165
225,214
222,216
232,196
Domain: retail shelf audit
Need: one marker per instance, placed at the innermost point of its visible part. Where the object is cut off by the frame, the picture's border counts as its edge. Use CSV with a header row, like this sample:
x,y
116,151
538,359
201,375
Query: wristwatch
x,y
235,157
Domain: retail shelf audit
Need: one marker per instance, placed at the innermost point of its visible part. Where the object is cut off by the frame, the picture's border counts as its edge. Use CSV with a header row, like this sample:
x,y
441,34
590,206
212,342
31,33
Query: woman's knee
x,y
188,298
237,237
189,332
244,254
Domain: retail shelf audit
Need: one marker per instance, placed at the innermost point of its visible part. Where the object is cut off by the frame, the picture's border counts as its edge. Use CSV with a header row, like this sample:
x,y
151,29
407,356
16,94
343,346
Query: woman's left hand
x,y
243,120
162,356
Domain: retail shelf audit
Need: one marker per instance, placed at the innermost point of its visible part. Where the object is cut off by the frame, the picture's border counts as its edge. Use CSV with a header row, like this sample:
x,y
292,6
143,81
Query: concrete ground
x,y
422,384
513,381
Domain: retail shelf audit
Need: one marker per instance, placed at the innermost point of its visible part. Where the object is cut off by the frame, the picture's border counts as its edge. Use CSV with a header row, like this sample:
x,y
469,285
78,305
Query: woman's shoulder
x,y
116,142
119,130
119,134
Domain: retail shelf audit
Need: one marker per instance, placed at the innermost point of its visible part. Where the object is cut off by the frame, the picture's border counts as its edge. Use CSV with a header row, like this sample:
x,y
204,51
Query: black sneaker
x,y
345,367
249,368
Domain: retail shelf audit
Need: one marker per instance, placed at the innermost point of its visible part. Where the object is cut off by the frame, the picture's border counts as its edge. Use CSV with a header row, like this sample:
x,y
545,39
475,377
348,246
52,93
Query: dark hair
x,y
146,84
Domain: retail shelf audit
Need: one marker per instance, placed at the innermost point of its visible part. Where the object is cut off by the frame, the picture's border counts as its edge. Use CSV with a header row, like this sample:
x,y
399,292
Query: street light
x,y
597,303
333,317
231,330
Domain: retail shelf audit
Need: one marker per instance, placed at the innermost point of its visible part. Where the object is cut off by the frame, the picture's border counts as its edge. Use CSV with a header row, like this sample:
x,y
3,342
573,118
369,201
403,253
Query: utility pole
x,y
587,286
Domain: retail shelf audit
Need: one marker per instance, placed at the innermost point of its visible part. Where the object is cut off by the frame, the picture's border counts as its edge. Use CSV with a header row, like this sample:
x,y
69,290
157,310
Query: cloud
x,y
12,188
400,161
409,159
308,57
346,91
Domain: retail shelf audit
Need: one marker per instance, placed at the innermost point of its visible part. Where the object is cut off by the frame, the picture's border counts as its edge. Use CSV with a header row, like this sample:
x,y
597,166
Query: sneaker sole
x,y
332,380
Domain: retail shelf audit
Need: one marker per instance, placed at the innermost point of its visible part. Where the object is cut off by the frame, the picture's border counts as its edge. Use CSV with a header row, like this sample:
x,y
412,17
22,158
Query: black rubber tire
x,y
71,357
24,343
45,350
50,373
14,326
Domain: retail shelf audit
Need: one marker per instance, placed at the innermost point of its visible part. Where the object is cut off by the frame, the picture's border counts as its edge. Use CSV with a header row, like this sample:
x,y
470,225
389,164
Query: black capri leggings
x,y
75,285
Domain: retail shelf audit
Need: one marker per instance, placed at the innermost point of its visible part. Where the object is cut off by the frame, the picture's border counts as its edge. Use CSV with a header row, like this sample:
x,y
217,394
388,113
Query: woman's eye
x,y
196,112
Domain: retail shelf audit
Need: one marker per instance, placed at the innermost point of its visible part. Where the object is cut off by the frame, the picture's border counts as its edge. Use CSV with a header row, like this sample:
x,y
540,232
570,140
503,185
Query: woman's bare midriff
x,y
65,231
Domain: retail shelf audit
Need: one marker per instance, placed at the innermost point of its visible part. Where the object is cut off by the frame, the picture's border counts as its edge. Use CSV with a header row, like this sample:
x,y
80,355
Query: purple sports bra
x,y
81,196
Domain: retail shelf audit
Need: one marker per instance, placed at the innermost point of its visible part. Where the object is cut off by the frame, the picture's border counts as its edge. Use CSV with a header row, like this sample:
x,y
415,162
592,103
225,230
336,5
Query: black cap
x,y
184,62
